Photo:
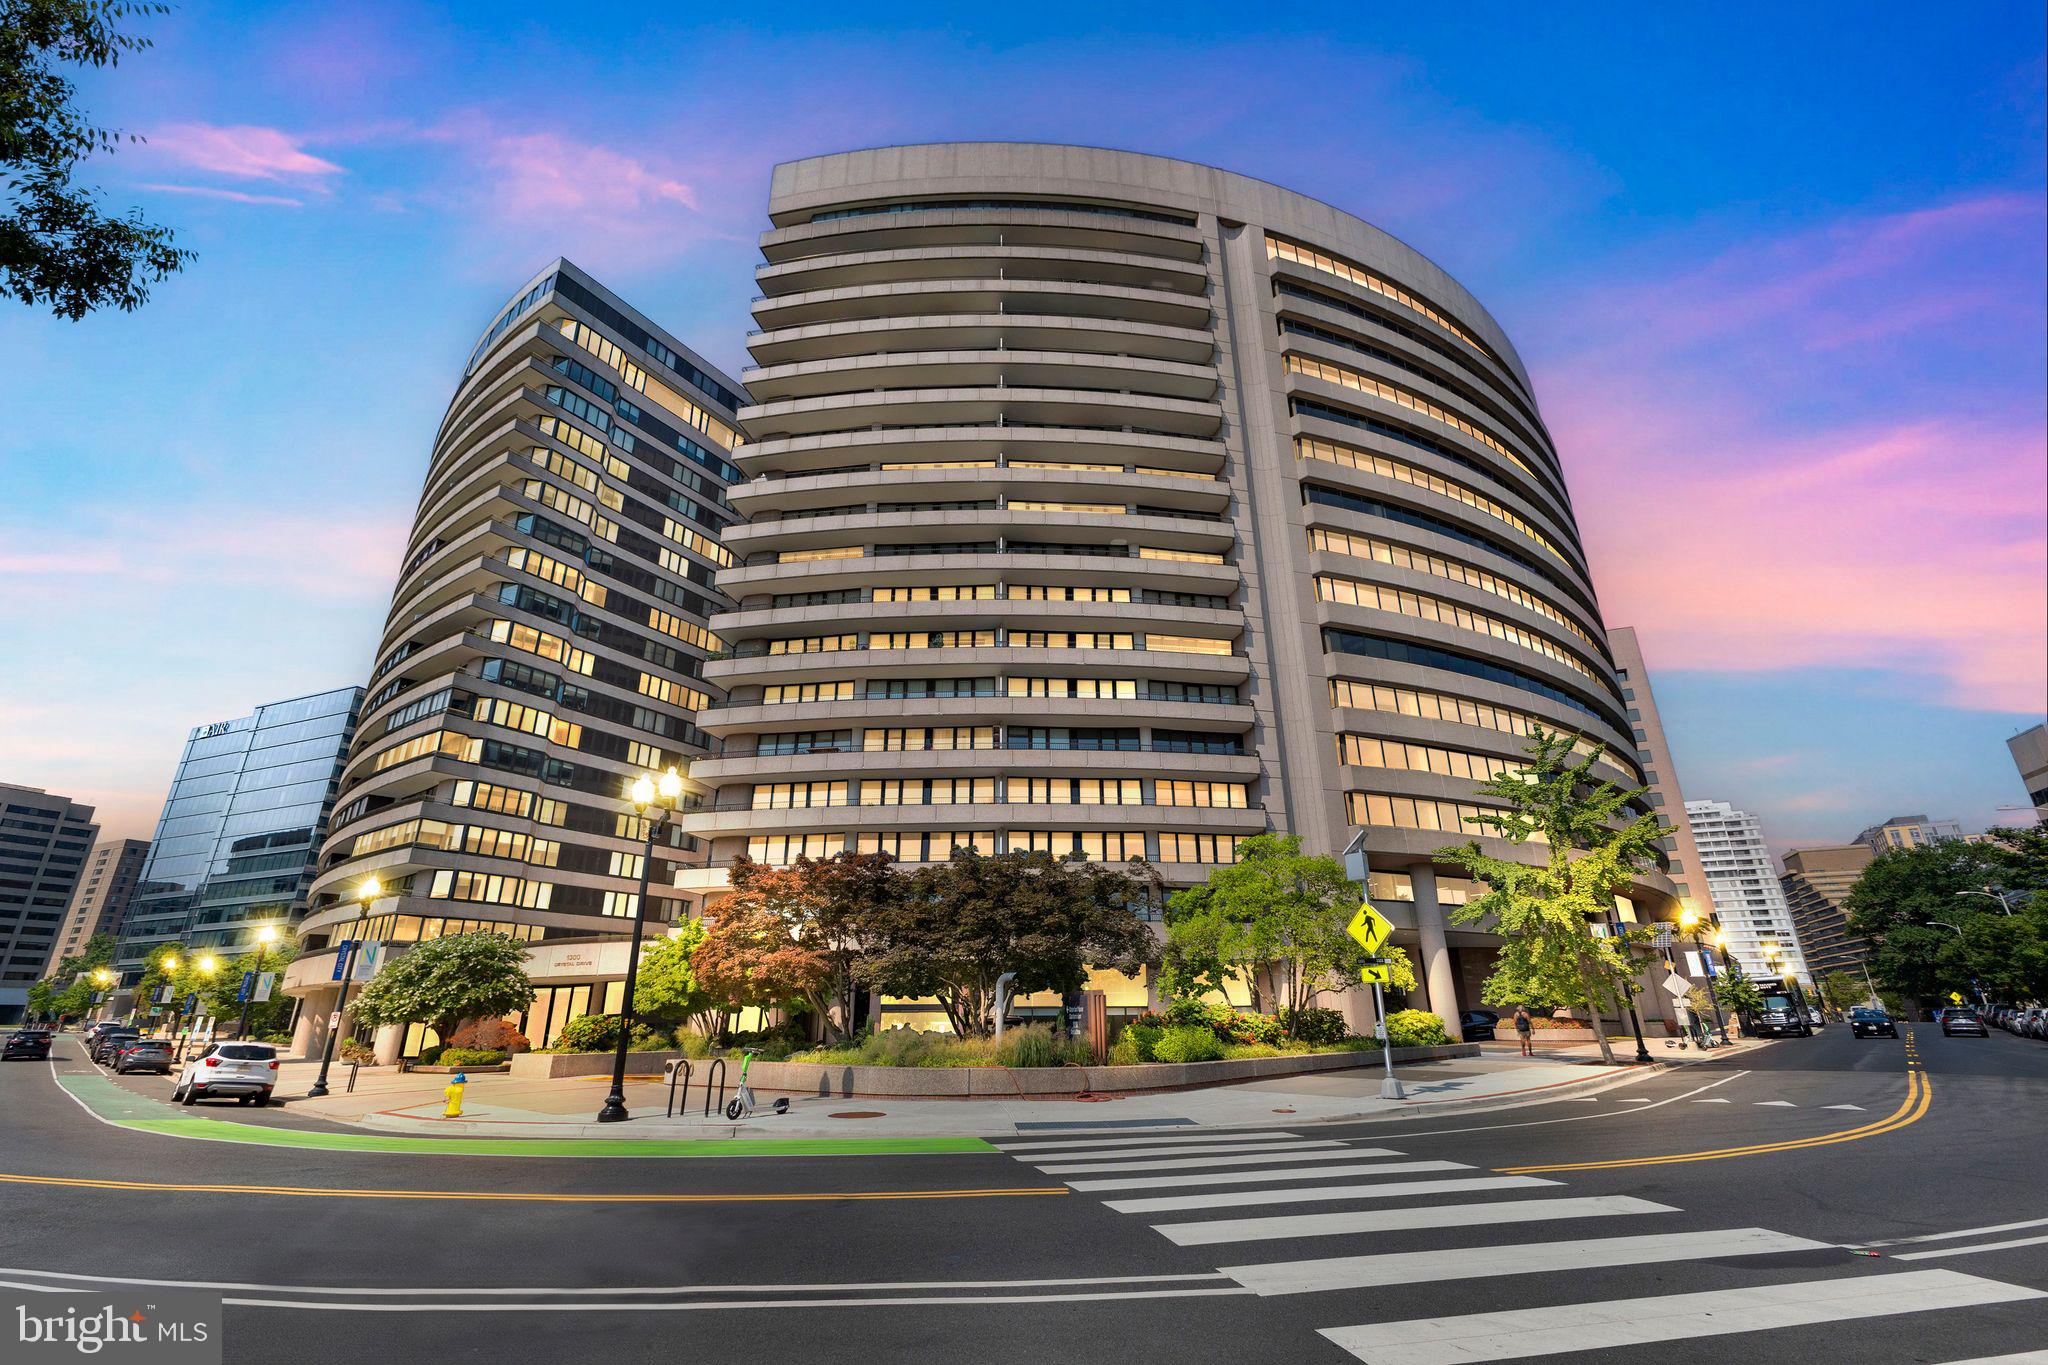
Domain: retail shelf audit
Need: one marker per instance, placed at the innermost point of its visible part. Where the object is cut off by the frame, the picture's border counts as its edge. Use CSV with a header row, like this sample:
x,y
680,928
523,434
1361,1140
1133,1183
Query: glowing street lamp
x,y
1689,922
655,800
366,893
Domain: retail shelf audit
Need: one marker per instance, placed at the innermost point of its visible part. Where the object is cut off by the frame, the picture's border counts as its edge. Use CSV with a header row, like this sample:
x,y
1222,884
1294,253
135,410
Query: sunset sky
x,y
1777,272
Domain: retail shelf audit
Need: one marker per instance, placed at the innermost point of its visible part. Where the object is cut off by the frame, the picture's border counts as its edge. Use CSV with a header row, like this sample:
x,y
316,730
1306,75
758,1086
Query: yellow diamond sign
x,y
1382,975
1369,927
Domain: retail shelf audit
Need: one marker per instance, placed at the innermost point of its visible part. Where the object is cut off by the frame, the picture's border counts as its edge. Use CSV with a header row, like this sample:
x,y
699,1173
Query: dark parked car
x,y
1865,1022
1962,1021
1779,1018
28,1044
104,1044
1478,1025
142,1054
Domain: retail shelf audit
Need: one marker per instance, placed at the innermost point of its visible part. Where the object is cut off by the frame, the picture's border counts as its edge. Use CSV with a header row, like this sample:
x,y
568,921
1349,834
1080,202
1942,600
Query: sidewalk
x,y
499,1106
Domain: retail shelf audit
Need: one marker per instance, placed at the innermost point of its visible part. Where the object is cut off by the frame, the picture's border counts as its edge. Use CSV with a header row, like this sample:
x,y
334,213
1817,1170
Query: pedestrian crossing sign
x,y
1379,975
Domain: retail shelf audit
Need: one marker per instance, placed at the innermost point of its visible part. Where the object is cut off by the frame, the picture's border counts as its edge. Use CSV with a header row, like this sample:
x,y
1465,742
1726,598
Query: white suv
x,y
247,1071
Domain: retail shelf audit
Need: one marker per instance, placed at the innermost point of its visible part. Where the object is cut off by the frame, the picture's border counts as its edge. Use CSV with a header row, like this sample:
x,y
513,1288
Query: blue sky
x,y
1778,273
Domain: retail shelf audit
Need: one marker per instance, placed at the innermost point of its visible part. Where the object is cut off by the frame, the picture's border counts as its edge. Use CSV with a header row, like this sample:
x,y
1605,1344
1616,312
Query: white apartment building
x,y
1743,881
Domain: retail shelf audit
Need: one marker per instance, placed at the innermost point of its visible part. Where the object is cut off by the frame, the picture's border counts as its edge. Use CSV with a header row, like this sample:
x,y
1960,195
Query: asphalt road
x,y
1702,1215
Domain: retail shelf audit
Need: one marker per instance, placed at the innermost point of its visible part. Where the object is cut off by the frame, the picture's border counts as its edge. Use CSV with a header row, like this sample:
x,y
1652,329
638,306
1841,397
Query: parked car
x,y
246,1071
104,1042
29,1044
142,1054
1478,1025
1962,1021
2037,1019
1866,1022
1779,1018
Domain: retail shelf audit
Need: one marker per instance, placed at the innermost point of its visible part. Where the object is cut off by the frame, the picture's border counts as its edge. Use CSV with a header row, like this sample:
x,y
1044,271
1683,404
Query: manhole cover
x,y
857,1114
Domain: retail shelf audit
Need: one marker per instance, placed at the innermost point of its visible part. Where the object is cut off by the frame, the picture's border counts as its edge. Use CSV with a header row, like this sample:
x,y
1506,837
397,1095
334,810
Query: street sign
x,y
1956,996
1381,975
334,1019
264,981
192,1003
341,956
1677,986
248,984
163,995
1369,927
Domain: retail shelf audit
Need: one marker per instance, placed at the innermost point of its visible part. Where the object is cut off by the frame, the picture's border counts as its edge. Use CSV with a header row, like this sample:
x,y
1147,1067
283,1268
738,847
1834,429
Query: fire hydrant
x,y
456,1084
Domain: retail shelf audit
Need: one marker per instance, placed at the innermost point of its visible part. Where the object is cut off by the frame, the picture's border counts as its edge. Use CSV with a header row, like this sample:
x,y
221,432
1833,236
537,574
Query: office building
x,y
234,847
545,644
44,840
2029,749
1743,881
1908,831
113,871
1816,882
1105,503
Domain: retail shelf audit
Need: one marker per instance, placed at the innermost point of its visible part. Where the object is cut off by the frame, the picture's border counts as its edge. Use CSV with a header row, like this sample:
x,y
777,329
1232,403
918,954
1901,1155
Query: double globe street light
x,y
1689,923
366,892
655,800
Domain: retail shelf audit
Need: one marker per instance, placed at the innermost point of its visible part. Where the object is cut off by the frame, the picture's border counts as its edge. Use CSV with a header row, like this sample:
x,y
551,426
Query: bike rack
x,y
682,1069
353,1068
717,1066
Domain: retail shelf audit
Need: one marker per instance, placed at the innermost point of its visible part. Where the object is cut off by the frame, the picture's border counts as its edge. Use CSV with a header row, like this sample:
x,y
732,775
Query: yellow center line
x,y
1919,1098
148,1186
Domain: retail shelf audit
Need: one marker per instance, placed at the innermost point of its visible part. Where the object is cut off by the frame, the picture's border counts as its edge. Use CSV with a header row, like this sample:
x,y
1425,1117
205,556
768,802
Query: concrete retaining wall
x,y
809,1078
554,1065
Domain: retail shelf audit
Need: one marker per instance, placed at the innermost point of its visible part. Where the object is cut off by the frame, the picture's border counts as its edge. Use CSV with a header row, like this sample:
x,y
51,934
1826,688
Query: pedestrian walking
x,y
1524,1026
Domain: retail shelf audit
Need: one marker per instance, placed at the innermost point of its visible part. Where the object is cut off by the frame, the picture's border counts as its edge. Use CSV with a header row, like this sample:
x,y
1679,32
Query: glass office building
x,y
235,845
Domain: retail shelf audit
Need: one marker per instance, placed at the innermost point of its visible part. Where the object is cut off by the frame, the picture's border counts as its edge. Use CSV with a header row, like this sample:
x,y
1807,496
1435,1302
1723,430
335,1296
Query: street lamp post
x,y
265,936
366,893
1635,1020
101,979
655,801
206,965
1982,1002
2004,906
1689,920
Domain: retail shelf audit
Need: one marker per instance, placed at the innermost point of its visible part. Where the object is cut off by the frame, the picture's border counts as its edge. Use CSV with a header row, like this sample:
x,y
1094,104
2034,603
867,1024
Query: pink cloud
x,y
1824,450
199,548
244,151
234,196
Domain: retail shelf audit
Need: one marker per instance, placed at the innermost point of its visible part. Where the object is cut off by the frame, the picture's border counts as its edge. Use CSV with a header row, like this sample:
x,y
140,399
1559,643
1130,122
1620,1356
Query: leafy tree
x,y
1907,899
56,247
1544,914
749,958
67,991
825,905
1739,995
666,989
1275,920
447,981
963,923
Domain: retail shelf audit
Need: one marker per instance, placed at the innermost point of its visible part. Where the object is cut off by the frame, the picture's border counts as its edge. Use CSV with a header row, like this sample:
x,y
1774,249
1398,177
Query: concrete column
x,y
308,1032
390,1037
1433,971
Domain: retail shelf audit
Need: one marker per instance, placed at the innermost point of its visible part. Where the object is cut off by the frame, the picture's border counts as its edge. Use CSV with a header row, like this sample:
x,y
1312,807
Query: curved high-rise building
x,y
546,643
1107,502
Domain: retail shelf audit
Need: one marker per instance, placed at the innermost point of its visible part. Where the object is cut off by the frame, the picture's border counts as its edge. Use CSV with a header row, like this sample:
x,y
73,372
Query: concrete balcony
x,y
961,368
738,627
749,718
980,261
776,455
787,498
711,824
988,406
1060,298
984,332
1124,571
993,662
1046,225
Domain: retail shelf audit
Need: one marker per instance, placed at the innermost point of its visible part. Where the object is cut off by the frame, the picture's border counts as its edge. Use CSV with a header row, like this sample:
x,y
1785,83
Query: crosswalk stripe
x,y
1574,1327
1174,1182
1969,1250
1644,1100
1198,1149
1776,1104
1211,1162
1211,1232
1522,1258
1713,1101
1082,1140
2016,1358
1384,1189
1857,1107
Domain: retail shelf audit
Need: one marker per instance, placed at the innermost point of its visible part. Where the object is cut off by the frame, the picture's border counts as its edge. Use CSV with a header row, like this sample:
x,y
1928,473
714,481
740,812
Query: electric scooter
x,y
741,1106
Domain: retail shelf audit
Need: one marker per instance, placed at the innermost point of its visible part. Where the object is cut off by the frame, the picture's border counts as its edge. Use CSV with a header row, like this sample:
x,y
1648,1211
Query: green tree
x,y
67,991
447,981
1912,903
1275,921
56,246
1739,995
963,923
825,905
1593,846
666,989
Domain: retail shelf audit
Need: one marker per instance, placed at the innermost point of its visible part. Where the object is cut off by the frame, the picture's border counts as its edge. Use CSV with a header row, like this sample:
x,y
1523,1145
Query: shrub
x,y
1237,1050
1142,1037
600,1033
471,1056
358,1054
491,1035
1317,1026
1416,1028
692,1044
1036,1045
1188,1044
431,1054
1124,1051
1250,1028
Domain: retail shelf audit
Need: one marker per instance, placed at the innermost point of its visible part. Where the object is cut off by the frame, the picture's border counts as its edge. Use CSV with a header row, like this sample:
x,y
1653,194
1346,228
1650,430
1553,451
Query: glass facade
x,y
235,844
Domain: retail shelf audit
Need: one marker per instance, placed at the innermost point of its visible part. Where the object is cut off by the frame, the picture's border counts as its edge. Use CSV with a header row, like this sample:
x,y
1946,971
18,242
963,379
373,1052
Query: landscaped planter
x,y
554,1065
995,1082
438,1070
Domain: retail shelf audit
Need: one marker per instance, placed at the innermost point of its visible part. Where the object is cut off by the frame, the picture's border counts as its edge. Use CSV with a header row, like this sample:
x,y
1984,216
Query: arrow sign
x,y
1381,975
1369,927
